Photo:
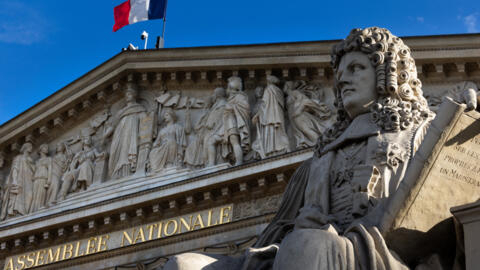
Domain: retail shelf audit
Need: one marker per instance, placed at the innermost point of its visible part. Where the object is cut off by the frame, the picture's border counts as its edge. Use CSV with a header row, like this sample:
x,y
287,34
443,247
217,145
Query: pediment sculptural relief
x,y
333,211
153,131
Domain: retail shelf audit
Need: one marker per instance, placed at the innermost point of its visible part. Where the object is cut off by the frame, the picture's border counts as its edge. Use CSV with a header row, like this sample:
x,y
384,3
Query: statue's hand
x,y
14,189
101,156
470,97
228,108
255,119
466,93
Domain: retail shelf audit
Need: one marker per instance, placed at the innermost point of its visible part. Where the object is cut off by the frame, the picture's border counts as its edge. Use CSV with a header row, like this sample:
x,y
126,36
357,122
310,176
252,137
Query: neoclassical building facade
x,y
160,152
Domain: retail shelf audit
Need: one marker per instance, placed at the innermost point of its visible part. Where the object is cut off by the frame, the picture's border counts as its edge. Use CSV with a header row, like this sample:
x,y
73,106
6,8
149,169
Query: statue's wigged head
x,y
401,102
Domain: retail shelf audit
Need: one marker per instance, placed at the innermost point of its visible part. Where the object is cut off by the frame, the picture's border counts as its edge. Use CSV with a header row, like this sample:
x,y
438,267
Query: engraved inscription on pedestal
x,y
454,178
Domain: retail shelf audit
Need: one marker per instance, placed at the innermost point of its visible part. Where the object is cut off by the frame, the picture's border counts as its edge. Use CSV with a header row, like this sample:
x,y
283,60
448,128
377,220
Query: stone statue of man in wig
x,y
332,208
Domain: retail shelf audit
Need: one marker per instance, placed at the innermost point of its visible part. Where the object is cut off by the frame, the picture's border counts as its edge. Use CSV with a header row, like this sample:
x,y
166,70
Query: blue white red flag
x,y
133,11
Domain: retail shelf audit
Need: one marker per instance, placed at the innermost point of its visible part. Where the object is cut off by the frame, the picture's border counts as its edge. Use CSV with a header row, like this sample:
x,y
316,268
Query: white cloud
x,y
21,24
420,19
470,22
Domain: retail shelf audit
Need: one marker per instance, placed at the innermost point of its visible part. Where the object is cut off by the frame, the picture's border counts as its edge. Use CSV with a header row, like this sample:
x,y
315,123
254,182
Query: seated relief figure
x,y
79,175
168,148
271,138
309,119
332,206
19,185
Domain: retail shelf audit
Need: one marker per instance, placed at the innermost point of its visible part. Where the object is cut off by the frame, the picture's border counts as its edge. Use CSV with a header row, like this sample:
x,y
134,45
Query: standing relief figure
x,y
271,138
18,194
194,157
41,179
169,146
124,148
79,175
308,118
208,147
59,167
237,119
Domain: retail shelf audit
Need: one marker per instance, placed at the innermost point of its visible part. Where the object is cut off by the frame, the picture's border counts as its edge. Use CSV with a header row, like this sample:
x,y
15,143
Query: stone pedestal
x,y
468,216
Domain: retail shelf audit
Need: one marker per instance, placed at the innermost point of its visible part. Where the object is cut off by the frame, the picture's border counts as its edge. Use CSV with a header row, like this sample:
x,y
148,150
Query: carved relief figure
x,y
18,194
258,94
308,118
79,175
214,144
206,147
124,147
237,119
59,167
168,148
271,138
194,156
41,179
258,100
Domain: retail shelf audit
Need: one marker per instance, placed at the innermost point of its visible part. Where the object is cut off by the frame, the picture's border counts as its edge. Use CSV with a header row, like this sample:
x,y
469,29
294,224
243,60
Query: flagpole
x,y
162,43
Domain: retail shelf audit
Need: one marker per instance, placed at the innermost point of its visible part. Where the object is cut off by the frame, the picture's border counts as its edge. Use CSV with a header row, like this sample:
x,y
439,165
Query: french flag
x,y
133,11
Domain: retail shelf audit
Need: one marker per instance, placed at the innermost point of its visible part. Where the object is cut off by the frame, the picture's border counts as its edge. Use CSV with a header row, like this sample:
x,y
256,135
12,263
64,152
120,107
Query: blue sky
x,y
46,44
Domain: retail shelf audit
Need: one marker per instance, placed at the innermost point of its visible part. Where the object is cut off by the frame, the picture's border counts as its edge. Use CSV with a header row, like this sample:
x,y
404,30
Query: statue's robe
x,y
124,147
18,195
237,118
343,201
172,143
59,166
271,135
307,117
42,176
86,168
194,155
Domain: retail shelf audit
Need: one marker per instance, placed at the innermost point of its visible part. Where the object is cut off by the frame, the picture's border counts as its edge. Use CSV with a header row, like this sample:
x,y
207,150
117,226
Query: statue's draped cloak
x,y
124,147
237,121
271,135
41,177
306,117
59,165
21,176
86,168
173,141
213,119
